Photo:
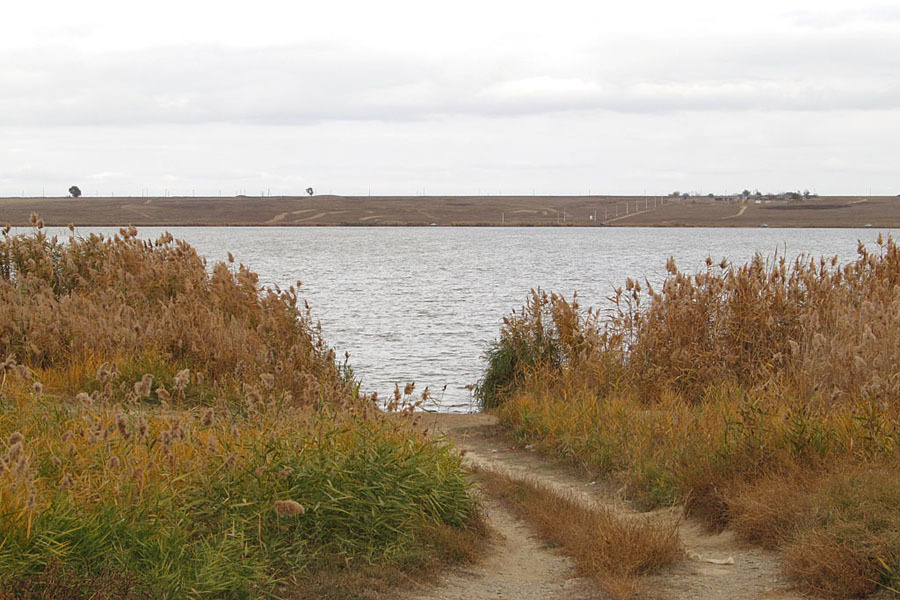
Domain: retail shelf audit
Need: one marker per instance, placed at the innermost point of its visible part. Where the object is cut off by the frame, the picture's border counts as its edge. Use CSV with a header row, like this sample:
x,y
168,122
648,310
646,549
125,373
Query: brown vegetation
x,y
613,549
762,396
454,210
194,435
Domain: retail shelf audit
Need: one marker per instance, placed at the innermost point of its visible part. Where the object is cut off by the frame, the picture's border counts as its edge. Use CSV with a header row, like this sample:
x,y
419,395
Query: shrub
x,y
739,391
193,434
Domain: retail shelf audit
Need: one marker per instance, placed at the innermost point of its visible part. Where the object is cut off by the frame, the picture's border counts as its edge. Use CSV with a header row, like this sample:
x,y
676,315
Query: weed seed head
x,y
288,508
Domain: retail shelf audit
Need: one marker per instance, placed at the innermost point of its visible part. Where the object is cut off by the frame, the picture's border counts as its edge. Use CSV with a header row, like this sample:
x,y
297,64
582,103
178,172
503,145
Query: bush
x,y
192,434
739,391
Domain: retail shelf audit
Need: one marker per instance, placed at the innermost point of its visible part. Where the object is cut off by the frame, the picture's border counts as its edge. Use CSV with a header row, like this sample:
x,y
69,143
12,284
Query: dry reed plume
x,y
725,389
192,434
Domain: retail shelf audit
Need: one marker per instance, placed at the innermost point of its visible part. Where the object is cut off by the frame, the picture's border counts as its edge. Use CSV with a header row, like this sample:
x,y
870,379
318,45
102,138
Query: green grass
x,y
170,488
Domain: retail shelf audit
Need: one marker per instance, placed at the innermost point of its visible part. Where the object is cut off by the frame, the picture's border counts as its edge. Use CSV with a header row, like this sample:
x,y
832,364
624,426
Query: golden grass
x,y
195,434
744,392
612,548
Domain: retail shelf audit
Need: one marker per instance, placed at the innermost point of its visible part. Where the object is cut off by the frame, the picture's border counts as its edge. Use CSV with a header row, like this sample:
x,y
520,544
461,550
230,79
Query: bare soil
x,y
521,566
525,211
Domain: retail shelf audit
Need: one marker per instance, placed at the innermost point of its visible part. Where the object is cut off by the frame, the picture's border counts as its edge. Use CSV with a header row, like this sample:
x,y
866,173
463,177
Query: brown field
x,y
830,211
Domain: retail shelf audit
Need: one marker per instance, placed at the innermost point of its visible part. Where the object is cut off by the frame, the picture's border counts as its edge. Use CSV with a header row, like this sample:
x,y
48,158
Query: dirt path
x,y
740,211
520,566
277,218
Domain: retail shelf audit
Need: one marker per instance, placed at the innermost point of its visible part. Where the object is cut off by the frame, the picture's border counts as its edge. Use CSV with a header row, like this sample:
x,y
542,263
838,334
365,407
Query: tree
x,y
75,191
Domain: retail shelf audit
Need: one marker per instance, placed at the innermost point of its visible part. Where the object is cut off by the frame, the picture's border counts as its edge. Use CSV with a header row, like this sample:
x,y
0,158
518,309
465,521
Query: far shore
x,y
490,211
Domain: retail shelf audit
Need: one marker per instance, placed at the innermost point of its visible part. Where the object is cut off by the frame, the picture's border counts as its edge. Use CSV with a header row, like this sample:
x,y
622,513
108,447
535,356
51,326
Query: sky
x,y
401,97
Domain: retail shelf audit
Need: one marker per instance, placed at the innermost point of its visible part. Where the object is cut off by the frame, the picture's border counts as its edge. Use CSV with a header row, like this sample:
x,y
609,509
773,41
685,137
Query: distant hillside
x,y
834,211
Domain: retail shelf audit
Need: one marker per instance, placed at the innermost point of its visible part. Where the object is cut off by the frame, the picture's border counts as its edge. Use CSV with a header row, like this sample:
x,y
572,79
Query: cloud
x,y
106,175
310,83
823,18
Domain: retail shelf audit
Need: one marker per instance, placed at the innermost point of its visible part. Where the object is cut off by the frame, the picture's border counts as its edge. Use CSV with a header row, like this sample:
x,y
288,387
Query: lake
x,y
421,304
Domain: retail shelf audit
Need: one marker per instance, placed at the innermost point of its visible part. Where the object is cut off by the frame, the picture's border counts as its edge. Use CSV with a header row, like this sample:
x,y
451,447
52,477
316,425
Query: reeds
x,y
191,433
717,385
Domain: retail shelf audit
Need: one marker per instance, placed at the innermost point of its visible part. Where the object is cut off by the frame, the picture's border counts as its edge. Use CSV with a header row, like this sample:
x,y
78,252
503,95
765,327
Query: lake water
x,y
421,304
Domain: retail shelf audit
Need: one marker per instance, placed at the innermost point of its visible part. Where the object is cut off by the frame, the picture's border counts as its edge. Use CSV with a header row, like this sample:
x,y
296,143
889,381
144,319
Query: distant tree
x,y
75,191
310,191
745,193
806,193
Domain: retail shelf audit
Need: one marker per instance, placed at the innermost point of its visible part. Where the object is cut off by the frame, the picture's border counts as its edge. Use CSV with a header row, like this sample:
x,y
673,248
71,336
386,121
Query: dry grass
x,y
612,548
195,433
744,392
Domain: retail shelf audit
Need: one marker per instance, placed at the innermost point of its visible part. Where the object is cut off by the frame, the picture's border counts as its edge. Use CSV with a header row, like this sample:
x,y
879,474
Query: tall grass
x,y
185,434
725,388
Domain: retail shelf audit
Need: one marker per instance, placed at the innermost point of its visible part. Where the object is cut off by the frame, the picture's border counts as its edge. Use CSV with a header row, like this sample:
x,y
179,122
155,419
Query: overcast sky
x,y
462,97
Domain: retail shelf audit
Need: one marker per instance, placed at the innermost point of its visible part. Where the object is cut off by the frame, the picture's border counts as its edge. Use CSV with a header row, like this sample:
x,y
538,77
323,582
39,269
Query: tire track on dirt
x,y
754,573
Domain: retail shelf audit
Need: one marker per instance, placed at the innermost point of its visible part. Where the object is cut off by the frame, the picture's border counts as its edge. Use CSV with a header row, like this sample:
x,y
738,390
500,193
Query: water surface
x,y
421,304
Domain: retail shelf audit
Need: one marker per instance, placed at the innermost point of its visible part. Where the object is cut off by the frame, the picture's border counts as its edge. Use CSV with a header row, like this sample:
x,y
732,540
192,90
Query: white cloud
x,y
106,175
397,93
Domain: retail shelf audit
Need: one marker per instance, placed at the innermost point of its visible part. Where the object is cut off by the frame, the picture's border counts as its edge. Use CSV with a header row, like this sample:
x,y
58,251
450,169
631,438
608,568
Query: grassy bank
x,y
762,396
169,432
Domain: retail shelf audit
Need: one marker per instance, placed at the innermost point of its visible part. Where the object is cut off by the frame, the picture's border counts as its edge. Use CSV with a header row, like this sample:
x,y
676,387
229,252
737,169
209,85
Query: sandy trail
x,y
629,215
137,210
737,214
520,566
517,566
